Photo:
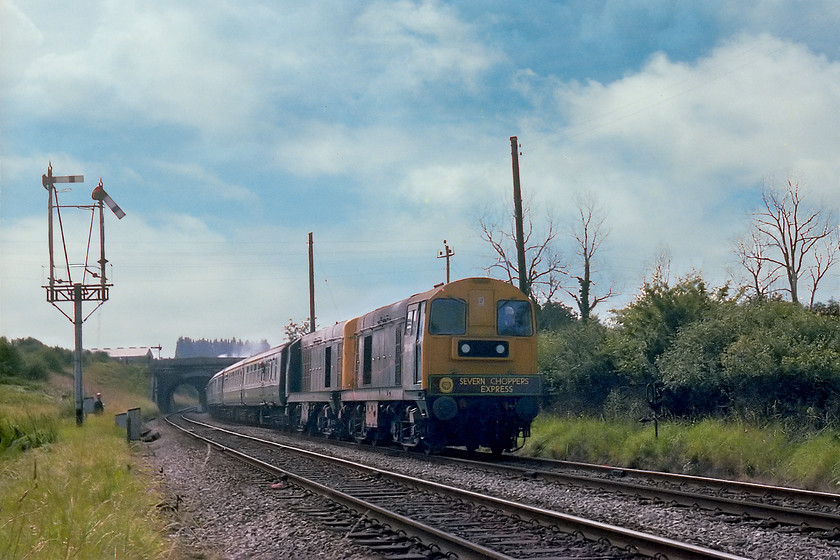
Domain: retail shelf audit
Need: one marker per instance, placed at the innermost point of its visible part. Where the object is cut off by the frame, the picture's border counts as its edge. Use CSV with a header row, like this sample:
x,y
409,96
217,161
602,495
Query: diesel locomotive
x,y
453,366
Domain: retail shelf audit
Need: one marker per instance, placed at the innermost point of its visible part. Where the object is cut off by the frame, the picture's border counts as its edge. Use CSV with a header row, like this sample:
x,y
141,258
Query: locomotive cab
x,y
479,365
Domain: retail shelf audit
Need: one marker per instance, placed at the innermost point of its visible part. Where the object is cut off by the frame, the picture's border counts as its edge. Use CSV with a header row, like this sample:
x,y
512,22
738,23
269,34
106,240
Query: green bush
x,y
10,360
767,359
577,367
27,358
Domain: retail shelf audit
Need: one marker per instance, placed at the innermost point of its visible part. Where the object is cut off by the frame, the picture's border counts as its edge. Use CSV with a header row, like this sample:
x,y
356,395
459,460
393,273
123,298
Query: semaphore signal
x,y
64,288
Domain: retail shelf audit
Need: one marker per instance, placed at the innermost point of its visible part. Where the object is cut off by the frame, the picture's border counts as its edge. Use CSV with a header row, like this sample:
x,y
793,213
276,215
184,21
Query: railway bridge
x,y
170,374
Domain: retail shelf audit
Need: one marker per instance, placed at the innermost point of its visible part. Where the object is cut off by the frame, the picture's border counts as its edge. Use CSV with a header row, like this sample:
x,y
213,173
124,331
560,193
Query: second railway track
x,y
805,509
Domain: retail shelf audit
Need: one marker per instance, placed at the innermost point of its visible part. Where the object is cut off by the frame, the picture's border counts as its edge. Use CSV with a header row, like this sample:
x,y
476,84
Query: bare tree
x,y
794,238
762,275
544,267
659,269
589,233
824,258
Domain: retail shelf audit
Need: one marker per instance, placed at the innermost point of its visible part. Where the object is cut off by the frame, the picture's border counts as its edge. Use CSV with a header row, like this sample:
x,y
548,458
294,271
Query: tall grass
x,y
84,496
733,449
70,491
28,419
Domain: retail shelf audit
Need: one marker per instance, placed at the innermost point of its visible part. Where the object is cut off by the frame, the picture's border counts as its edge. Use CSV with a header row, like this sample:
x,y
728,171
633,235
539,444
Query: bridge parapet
x,y
170,373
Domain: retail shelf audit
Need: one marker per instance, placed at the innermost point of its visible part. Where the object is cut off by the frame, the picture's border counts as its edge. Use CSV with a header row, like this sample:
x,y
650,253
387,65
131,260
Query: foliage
x,y
29,432
832,308
714,356
29,359
649,325
28,419
553,315
294,330
577,366
769,359
71,491
10,360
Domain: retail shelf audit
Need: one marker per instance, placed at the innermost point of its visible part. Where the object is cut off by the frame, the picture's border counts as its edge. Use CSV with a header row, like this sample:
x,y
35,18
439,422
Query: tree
x,y
544,267
649,325
577,367
589,234
553,315
10,360
296,330
750,253
825,257
792,239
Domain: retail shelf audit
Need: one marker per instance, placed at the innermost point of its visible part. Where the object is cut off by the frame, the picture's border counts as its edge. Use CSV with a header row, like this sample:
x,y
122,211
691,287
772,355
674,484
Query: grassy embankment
x,y
70,491
770,453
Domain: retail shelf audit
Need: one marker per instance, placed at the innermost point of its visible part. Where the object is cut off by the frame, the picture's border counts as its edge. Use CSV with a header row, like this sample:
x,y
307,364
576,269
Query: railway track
x,y
451,521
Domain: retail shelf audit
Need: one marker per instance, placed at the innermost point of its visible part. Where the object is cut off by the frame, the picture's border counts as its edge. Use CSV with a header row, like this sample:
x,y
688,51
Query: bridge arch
x,y
169,374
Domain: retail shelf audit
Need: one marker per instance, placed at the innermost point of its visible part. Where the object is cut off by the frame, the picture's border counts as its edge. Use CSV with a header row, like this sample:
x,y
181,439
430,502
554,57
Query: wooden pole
x,y
517,208
311,286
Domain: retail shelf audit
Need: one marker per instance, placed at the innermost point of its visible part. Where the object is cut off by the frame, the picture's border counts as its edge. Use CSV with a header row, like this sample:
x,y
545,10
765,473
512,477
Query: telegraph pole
x,y
63,289
311,285
517,208
447,253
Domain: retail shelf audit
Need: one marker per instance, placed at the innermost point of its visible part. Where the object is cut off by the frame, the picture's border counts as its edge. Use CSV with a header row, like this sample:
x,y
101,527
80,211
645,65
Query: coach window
x,y
448,316
514,318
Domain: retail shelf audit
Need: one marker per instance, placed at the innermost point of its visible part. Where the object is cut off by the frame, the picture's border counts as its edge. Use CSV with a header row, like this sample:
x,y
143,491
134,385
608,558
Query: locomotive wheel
x,y
326,423
356,428
406,431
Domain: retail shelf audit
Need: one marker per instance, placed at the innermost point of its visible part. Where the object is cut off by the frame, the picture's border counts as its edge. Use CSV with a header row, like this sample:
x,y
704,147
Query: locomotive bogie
x,y
452,366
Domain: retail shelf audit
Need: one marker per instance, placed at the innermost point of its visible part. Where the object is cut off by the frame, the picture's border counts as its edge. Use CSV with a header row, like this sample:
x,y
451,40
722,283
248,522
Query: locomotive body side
x,y
315,379
456,365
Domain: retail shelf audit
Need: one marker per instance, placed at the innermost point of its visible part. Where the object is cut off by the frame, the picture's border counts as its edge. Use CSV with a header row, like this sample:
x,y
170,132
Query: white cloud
x,y
755,103
19,40
421,42
138,61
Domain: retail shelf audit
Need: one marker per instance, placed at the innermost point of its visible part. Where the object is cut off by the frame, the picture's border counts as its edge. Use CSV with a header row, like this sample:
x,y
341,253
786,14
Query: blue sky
x,y
229,130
